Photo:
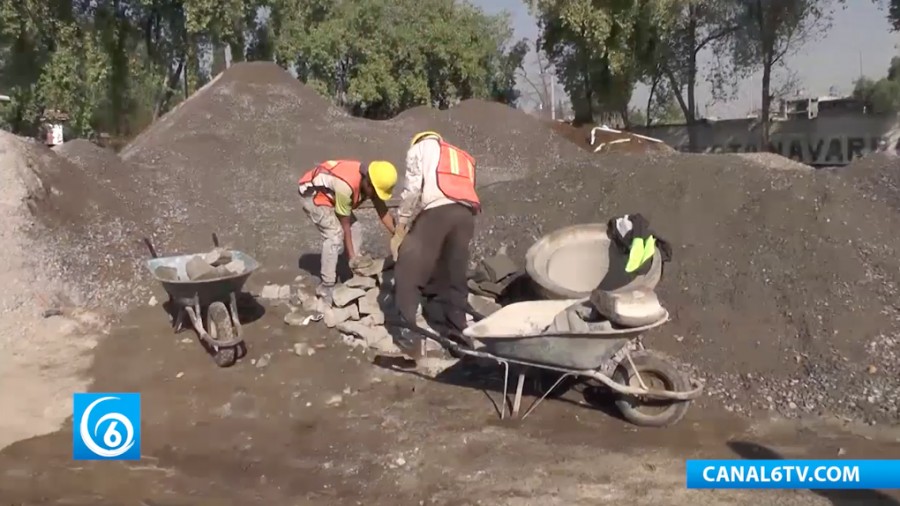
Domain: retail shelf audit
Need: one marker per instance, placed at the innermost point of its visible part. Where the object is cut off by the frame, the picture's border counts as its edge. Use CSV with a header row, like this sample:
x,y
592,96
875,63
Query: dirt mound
x,y
782,285
774,161
88,155
877,176
227,159
607,142
506,142
41,356
80,232
104,171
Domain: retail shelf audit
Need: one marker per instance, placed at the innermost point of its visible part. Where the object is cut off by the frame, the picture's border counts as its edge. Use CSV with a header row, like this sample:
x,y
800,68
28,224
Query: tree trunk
x,y
653,86
692,69
766,100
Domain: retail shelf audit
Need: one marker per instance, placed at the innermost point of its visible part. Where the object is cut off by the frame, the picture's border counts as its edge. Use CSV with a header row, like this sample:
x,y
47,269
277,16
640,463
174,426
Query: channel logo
x,y
106,426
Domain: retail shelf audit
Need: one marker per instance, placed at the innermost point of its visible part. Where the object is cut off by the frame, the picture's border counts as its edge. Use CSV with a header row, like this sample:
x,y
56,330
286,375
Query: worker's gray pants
x,y
329,226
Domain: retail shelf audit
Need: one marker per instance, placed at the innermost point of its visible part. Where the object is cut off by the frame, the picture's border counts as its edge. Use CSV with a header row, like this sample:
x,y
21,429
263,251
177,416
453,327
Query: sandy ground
x,y
332,428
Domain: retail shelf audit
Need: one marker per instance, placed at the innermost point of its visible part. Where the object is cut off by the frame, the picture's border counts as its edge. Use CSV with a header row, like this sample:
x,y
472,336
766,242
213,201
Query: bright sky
x,y
860,36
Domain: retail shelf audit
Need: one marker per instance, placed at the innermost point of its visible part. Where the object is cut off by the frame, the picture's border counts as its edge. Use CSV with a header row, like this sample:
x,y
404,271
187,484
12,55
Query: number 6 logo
x,y
112,438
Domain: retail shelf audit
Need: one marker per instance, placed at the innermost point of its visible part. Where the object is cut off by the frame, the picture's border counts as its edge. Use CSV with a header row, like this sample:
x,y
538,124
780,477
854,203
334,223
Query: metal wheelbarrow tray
x,y
650,390
213,300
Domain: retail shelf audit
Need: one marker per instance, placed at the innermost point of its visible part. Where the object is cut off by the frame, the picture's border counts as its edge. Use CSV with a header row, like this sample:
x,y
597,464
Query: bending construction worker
x,y
330,192
432,247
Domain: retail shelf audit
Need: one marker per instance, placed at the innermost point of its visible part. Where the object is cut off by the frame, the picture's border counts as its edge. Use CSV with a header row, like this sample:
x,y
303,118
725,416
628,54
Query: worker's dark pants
x,y
434,260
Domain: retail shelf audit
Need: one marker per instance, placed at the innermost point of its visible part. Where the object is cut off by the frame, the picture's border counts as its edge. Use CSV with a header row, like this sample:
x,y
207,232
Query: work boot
x,y
461,339
410,344
325,293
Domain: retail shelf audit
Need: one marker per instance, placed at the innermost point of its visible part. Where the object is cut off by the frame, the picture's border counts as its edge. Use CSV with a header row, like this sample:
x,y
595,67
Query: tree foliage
x,y
883,95
378,57
116,65
601,48
769,31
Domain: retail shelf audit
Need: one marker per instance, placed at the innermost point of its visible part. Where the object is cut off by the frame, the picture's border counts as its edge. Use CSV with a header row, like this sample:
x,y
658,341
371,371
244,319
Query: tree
x,y
538,83
117,65
372,60
883,95
770,31
698,25
601,48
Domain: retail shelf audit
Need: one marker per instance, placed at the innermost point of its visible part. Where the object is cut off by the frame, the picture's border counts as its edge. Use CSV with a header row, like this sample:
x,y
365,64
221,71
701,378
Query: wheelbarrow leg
x,y
195,320
505,390
517,400
179,319
234,315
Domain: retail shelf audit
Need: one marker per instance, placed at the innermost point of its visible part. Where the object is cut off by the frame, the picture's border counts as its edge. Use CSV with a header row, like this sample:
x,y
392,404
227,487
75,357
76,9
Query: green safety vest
x,y
641,252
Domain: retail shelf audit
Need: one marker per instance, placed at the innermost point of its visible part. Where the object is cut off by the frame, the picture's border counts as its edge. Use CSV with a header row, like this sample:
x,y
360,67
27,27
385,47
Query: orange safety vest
x,y
456,176
348,171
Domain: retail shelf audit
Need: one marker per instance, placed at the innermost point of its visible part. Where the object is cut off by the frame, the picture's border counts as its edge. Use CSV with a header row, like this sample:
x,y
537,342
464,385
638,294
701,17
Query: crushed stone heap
x,y
783,283
227,159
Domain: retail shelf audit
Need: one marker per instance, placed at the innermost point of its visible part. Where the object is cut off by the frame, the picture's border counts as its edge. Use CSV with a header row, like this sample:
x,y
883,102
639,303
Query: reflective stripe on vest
x,y
641,252
347,171
456,176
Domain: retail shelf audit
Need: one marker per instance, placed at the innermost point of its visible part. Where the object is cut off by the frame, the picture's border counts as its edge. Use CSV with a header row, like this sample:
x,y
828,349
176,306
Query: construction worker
x,y
431,248
330,192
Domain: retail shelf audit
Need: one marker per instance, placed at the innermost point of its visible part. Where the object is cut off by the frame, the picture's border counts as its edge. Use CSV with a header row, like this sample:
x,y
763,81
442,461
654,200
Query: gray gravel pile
x,y
82,230
506,143
228,159
782,282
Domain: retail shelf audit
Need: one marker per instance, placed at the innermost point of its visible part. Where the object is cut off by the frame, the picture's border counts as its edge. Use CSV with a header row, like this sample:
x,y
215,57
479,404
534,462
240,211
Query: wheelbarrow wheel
x,y
220,329
657,373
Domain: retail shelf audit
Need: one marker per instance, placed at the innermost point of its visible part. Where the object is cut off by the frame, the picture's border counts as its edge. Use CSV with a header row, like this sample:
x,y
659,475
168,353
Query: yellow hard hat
x,y
383,176
422,135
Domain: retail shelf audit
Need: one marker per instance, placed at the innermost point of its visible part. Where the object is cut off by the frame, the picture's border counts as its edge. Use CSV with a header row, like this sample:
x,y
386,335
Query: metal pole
x,y
552,97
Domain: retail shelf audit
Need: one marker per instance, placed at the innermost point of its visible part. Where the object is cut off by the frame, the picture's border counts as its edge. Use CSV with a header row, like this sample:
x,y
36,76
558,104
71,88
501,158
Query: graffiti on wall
x,y
832,150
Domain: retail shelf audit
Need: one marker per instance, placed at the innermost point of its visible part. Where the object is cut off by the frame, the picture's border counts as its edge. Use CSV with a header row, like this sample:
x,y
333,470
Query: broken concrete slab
x,y
486,288
344,295
165,273
364,282
338,315
368,334
499,267
275,292
368,304
371,269
217,257
484,305
373,320
295,318
236,266
198,268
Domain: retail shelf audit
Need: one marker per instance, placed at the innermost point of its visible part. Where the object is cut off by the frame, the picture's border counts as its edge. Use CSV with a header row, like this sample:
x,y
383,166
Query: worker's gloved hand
x,y
360,262
397,239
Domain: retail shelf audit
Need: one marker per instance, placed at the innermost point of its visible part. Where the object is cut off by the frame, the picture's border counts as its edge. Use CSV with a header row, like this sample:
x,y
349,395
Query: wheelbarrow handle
x,y
151,248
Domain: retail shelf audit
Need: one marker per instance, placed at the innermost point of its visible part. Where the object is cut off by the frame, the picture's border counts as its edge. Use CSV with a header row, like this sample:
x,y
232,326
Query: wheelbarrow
x,y
211,300
650,390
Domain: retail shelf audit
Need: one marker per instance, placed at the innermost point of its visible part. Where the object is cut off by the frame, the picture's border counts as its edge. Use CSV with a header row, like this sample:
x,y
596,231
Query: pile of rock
x,y
218,263
493,275
359,305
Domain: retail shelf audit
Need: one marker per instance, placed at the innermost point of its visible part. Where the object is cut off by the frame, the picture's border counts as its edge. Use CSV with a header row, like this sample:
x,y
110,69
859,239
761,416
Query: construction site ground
x,y
782,291
334,429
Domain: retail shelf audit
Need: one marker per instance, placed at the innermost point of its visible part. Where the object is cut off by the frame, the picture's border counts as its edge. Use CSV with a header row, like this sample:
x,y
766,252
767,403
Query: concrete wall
x,y
826,140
